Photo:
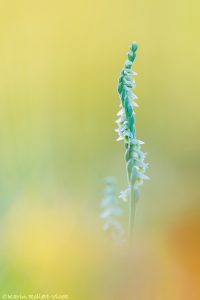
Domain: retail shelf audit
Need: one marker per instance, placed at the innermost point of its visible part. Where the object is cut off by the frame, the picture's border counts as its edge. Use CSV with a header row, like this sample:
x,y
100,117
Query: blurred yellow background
x,y
59,65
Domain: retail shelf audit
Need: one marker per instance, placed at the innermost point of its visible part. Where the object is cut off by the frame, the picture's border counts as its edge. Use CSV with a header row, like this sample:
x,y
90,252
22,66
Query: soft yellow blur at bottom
x,y
52,248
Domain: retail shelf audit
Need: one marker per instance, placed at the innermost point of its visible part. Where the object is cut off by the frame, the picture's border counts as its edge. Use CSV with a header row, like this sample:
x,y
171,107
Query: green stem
x,y
132,209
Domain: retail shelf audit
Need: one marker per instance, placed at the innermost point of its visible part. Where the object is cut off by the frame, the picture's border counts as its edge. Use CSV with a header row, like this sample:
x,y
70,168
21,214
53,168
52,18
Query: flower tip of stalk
x,y
134,46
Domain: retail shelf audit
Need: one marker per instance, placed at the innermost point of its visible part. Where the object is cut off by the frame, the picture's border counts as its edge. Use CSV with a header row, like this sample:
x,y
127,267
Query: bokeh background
x,y
59,65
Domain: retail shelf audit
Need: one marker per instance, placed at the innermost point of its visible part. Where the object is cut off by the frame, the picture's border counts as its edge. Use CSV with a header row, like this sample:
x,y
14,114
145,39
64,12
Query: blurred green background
x,y
60,62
